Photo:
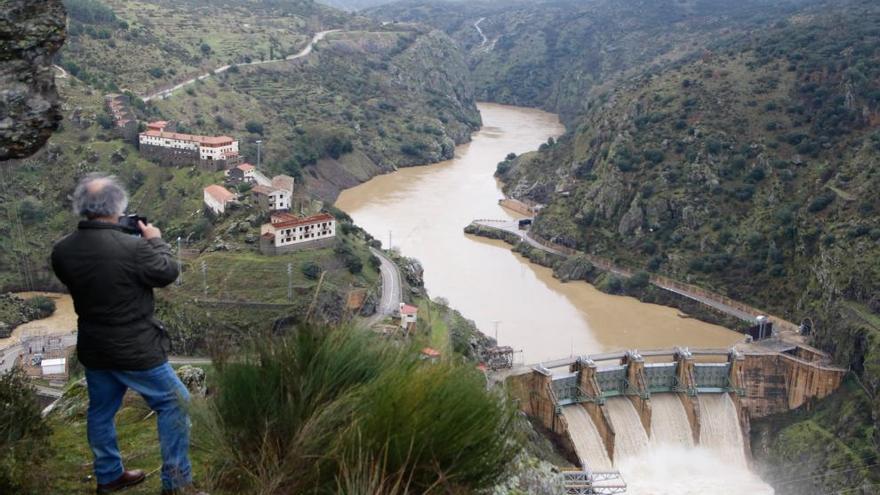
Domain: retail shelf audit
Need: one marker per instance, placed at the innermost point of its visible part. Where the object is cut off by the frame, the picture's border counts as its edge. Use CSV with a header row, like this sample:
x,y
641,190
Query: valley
x,y
667,167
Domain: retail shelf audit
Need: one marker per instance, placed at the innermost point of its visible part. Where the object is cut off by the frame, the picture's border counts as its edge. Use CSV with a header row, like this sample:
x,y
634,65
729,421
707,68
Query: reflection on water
x,y
423,210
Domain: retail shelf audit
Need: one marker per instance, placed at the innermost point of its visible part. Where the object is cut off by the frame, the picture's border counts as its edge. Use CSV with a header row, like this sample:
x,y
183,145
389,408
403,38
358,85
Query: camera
x,y
129,223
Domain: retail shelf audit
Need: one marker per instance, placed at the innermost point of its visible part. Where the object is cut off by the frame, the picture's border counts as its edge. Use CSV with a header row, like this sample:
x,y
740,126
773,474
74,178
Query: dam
x,y
621,415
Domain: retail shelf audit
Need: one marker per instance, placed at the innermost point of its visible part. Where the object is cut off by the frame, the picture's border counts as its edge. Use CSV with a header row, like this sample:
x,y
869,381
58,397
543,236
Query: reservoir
x,y
423,210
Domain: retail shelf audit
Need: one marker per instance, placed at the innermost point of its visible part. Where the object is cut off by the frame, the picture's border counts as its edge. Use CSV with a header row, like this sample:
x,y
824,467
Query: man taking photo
x,y
111,270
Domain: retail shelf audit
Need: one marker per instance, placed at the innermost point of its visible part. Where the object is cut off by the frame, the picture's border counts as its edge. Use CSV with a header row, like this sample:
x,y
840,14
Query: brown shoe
x,y
128,478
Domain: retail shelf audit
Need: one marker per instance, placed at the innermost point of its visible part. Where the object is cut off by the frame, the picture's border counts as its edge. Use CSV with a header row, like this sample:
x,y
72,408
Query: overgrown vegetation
x,y
23,434
322,409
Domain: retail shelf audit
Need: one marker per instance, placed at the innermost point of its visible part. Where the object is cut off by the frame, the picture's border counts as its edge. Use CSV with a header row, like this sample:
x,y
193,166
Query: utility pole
x,y
179,264
205,278
259,145
389,240
290,281
496,323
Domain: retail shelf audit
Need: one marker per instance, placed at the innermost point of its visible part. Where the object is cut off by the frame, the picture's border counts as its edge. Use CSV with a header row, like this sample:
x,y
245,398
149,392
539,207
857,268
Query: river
x,y
424,211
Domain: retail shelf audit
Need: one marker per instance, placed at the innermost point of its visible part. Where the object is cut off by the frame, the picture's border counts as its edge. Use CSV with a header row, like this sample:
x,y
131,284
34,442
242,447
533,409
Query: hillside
x,y
552,54
751,171
144,45
34,194
364,103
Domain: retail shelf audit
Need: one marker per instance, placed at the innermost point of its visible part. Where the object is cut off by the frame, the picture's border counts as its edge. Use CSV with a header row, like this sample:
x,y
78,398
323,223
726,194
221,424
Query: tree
x,y
206,49
254,127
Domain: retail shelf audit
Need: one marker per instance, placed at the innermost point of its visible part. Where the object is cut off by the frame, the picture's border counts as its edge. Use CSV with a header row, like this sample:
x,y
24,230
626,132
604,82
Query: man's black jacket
x,y
111,275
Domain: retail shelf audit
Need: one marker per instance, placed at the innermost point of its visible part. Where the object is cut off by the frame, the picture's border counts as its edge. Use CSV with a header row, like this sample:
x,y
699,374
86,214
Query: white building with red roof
x,y
217,198
173,148
408,317
287,232
271,198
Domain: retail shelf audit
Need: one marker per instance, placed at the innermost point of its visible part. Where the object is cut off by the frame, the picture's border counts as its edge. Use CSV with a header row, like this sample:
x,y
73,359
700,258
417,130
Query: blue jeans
x,y
165,394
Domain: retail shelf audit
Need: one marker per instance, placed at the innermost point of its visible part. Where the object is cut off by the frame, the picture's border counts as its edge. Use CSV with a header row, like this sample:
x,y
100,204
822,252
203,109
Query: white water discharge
x,y
669,463
587,443
630,439
719,428
669,422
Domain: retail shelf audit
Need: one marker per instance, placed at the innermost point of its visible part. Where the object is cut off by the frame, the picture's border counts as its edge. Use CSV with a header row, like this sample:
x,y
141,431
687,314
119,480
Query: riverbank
x,y
420,211
568,268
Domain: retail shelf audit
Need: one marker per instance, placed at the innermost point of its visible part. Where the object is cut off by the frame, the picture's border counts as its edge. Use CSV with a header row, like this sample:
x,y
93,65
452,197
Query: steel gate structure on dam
x,y
760,381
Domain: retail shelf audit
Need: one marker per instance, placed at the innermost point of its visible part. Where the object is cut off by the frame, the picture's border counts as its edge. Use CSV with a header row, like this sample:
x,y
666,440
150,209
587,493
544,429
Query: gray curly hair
x,y
99,195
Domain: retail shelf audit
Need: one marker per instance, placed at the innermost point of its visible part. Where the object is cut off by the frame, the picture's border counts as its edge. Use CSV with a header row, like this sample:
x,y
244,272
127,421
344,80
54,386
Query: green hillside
x,y
752,171
143,45
554,54
364,103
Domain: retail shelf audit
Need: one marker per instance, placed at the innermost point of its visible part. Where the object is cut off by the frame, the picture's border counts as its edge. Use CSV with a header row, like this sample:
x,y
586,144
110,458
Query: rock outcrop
x,y
30,34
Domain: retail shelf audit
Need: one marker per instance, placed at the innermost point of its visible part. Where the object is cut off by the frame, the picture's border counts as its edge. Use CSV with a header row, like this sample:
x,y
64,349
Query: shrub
x,y
156,72
638,281
322,410
654,156
31,210
43,306
311,270
206,49
354,265
254,127
821,202
23,434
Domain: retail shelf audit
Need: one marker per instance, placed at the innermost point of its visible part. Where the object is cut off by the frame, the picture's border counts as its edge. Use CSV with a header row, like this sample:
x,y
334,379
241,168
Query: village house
x,y
217,198
408,316
272,199
287,232
124,121
241,173
172,148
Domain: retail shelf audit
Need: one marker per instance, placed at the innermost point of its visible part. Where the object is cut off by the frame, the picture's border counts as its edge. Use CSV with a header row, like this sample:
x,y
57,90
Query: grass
x,y
328,408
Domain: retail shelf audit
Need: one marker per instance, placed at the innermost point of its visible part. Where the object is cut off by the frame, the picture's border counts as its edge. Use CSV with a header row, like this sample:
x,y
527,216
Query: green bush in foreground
x,y
23,434
339,411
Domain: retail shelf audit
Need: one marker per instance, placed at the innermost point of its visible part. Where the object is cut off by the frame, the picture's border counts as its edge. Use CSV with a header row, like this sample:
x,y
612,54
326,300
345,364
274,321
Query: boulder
x,y
194,379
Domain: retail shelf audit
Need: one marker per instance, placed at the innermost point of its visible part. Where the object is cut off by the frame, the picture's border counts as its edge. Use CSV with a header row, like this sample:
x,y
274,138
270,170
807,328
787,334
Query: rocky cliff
x,y
30,34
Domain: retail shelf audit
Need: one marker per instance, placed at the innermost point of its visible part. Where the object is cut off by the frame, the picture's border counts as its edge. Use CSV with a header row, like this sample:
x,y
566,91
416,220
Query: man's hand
x,y
149,231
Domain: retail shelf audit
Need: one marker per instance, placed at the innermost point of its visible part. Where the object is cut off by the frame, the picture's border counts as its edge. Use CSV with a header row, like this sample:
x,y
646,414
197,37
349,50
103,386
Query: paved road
x,y
165,93
477,27
513,227
392,290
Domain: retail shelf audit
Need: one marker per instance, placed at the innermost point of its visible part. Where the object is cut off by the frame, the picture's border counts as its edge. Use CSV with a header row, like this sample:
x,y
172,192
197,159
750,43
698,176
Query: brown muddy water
x,y
425,209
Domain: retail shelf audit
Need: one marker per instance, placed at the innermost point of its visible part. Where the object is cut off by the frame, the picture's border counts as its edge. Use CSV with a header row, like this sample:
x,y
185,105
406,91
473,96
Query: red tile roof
x,y
429,352
408,310
219,193
297,221
264,190
245,167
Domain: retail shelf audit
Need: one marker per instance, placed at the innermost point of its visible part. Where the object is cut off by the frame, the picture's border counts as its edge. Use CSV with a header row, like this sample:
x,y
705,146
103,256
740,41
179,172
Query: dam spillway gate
x,y
754,381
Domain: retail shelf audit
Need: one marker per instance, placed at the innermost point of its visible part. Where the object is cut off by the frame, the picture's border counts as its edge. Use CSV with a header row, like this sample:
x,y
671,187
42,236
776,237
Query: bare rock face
x,y
30,34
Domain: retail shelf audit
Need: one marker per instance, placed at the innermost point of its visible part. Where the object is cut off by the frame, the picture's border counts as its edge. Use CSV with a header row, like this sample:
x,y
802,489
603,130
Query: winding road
x,y
392,290
165,93
482,35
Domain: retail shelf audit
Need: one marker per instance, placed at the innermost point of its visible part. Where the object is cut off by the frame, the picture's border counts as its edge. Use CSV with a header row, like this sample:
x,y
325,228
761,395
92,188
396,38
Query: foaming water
x,y
630,438
587,443
669,422
720,430
668,463
677,470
